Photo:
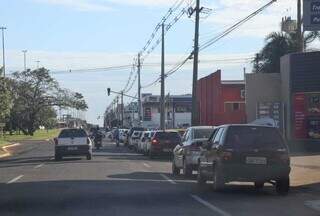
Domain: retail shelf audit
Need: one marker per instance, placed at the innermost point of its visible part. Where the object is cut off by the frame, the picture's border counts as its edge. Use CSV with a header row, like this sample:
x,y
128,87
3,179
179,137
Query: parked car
x,y
186,156
144,140
246,153
134,139
73,142
163,142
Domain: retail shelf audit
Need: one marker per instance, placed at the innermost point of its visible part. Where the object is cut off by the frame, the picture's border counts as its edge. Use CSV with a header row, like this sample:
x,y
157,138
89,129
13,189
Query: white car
x,y
186,156
123,134
73,142
134,139
144,140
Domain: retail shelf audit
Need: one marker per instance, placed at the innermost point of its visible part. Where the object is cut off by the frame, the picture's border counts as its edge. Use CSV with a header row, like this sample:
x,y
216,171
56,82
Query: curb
x,y
6,152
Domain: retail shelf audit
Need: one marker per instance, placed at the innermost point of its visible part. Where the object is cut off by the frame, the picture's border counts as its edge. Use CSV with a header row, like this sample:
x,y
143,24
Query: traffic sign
x,y
311,15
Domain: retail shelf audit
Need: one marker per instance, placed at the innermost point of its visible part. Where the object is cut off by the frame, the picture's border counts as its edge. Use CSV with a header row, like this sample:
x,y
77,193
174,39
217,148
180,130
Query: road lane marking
x,y
38,166
210,206
168,179
146,165
313,204
15,179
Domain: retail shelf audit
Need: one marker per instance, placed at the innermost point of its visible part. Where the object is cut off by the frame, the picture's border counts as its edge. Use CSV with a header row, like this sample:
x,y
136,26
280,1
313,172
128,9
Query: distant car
x,y
144,140
130,132
134,139
73,142
186,156
123,135
246,153
163,142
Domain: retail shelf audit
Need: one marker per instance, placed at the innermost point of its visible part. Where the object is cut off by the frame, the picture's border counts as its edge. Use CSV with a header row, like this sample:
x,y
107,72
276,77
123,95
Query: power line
x,y
235,26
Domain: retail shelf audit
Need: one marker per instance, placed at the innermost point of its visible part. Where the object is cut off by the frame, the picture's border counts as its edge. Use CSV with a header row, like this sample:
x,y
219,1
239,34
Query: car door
x,y
209,155
179,149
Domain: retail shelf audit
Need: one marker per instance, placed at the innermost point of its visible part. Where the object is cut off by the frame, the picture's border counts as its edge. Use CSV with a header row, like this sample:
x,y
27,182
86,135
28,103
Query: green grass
x,y
38,135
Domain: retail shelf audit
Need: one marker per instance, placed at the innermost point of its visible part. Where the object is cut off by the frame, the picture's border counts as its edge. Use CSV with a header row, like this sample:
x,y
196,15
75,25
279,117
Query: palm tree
x,y
279,44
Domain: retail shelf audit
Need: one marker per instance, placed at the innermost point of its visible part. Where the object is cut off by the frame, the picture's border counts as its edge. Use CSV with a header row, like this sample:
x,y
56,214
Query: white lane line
x,y
38,166
313,204
168,179
210,206
146,165
15,179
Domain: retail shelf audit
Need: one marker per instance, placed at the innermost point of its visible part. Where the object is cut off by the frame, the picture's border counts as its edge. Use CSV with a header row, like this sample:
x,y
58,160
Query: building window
x,y
236,106
243,93
233,106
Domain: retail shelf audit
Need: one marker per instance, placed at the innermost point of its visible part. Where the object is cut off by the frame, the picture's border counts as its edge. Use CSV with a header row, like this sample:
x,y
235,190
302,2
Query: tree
x,y
35,94
5,99
277,45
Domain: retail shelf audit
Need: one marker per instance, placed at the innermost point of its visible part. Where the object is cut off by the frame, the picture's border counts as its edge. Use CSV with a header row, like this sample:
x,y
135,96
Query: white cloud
x,y
228,12
144,2
81,5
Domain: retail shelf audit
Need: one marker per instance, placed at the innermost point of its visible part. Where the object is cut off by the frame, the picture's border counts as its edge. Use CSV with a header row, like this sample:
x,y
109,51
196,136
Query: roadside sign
x,y
311,15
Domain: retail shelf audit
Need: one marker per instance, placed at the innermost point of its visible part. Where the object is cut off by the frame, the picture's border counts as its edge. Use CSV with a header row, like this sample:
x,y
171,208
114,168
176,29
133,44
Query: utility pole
x,y
38,63
24,60
122,109
117,111
299,27
3,53
162,99
139,90
194,114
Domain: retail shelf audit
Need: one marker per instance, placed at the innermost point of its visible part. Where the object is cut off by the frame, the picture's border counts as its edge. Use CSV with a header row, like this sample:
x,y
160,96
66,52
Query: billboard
x,y
311,15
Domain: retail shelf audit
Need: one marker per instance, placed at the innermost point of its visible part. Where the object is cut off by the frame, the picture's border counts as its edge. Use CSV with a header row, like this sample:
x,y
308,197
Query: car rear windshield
x,y
72,133
167,136
202,133
136,134
248,138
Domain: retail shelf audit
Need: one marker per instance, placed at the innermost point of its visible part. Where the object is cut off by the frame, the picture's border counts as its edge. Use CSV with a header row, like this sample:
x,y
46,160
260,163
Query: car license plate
x,y
256,160
72,148
166,150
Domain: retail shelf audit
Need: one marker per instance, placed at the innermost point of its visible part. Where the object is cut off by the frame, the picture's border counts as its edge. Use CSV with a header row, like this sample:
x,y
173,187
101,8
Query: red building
x,y
221,102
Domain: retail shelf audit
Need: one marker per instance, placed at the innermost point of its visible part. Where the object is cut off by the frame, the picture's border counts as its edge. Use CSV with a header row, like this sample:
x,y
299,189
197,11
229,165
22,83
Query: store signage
x,y
311,15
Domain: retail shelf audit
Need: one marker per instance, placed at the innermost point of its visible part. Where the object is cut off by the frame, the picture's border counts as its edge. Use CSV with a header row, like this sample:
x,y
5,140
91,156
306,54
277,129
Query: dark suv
x,y
163,142
245,153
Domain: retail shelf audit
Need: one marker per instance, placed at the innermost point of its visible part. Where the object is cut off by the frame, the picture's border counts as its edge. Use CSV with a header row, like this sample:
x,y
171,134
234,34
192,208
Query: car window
x,y
202,133
217,136
167,135
72,133
247,138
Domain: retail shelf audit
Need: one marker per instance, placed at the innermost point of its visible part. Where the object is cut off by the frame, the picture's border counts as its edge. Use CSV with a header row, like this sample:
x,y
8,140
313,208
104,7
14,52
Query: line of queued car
x,y
242,153
245,153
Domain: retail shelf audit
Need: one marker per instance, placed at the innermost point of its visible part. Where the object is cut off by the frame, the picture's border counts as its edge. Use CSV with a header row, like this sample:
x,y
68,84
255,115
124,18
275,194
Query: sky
x,y
80,35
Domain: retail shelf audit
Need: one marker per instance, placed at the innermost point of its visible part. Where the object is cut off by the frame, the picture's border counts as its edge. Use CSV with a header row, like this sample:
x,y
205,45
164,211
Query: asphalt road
x,y
120,182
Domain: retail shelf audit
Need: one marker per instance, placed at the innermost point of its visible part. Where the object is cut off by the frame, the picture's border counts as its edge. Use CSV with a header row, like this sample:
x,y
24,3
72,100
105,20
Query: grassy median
x,y
38,135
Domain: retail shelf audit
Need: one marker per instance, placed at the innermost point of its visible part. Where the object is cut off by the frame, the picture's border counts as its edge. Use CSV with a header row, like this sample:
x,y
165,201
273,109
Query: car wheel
x,y
89,156
57,157
200,178
218,179
151,154
187,169
283,186
175,169
258,185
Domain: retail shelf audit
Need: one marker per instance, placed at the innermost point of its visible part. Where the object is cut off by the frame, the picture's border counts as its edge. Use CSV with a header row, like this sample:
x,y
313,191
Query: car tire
x,y
283,186
175,169
187,169
89,156
201,181
151,154
57,157
218,179
258,185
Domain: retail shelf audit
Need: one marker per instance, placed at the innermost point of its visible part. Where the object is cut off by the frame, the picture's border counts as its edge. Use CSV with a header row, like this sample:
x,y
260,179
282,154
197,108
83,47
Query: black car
x,y
163,142
245,153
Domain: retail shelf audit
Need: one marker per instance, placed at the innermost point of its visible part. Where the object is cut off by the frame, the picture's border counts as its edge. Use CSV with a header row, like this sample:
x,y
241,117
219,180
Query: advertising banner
x,y
311,15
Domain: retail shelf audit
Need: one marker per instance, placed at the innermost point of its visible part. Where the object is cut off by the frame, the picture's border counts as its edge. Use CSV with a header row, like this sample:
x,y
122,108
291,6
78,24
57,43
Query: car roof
x,y
202,127
245,125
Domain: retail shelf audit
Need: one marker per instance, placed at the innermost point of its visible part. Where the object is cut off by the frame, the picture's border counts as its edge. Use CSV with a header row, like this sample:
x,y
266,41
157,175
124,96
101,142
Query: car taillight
x,y
226,156
155,142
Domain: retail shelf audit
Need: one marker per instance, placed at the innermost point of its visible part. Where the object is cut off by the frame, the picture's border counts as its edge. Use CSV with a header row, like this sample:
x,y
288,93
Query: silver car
x,y
186,156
